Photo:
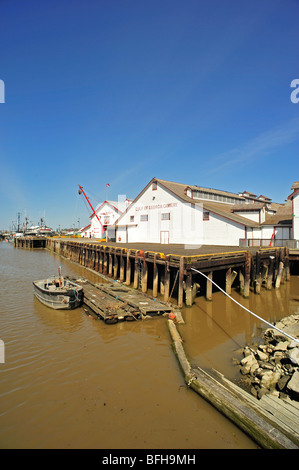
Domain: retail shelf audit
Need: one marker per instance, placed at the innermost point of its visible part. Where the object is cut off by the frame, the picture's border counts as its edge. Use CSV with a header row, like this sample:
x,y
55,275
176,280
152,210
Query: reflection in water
x,y
215,330
72,381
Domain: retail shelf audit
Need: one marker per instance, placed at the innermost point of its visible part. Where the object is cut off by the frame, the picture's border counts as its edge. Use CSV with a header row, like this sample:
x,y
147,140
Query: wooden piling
x,y
181,281
155,276
128,269
279,275
287,265
228,281
209,287
110,262
115,265
247,275
136,270
270,274
241,281
105,260
122,265
189,291
166,279
144,274
257,280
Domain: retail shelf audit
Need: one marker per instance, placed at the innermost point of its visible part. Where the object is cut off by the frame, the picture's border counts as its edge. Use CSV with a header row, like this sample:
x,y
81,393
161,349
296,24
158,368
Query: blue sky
x,y
121,91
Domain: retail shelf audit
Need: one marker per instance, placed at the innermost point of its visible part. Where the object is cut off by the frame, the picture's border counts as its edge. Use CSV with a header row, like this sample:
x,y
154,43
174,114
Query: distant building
x,y
106,214
85,231
168,212
294,198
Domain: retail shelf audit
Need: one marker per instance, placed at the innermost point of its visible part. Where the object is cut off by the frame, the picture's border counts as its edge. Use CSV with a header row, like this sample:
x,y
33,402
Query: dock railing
x,y
264,242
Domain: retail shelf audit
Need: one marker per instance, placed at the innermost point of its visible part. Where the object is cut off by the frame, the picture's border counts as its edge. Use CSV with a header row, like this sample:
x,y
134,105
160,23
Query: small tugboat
x,y
59,293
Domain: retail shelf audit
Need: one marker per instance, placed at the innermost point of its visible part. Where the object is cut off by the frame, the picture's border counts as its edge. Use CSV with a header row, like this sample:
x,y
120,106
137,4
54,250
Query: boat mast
x,y
80,191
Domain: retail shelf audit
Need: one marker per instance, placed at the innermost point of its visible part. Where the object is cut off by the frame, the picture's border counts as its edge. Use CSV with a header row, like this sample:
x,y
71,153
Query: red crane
x,y
80,191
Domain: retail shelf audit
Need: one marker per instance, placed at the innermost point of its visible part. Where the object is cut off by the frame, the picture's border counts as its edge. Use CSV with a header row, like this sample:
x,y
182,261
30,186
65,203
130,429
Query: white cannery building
x,y
294,198
106,214
168,212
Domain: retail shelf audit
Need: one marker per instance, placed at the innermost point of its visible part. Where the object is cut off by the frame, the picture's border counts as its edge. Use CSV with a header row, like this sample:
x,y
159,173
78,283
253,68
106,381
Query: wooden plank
x,y
287,414
233,405
136,299
266,408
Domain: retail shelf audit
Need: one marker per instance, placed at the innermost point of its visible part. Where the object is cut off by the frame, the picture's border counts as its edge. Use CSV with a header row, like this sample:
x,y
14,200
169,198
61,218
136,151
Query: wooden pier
x,y
169,273
30,242
115,302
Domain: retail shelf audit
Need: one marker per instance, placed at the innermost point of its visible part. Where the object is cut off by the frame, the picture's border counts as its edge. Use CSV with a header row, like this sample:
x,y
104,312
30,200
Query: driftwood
x,y
232,403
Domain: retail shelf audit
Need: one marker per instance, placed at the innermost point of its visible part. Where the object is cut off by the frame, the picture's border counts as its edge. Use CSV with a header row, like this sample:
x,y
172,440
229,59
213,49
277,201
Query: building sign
x,y
156,206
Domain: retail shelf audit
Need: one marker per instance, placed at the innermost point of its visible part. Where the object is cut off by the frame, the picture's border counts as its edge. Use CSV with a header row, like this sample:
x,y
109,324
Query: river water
x,y
70,381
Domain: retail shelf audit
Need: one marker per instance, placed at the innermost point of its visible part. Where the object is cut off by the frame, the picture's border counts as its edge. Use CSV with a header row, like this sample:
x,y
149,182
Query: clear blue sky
x,y
120,91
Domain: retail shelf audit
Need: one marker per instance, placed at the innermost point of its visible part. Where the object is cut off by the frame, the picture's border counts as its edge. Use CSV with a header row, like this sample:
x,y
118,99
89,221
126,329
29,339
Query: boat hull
x,y
67,297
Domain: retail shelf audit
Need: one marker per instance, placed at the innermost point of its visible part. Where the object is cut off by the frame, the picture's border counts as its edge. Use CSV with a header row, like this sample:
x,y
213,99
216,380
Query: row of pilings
x,y
172,276
30,242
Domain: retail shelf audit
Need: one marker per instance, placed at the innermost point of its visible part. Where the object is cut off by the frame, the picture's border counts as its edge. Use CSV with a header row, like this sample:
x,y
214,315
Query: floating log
x,y
234,404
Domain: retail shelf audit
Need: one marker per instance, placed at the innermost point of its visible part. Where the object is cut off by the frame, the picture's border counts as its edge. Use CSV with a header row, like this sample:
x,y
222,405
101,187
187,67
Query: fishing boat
x,y
58,292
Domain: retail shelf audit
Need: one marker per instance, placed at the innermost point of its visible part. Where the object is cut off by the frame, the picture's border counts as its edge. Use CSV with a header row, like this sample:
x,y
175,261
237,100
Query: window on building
x,y
131,218
165,216
206,215
154,185
144,218
189,192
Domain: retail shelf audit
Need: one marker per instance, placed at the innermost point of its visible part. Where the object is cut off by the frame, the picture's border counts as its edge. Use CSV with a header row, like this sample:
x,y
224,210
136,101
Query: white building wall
x,y
169,220
296,216
220,231
185,224
107,214
255,216
266,232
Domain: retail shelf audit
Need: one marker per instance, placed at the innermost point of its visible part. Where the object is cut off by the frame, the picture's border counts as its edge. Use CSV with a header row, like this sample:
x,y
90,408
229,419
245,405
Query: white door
x,y
164,237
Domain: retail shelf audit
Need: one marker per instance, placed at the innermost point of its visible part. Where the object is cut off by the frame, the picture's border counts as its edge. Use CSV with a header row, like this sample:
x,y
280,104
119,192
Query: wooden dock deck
x,y
171,271
113,302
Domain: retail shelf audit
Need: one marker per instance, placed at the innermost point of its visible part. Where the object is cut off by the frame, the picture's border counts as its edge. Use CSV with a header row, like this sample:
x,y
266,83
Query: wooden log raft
x,y
251,419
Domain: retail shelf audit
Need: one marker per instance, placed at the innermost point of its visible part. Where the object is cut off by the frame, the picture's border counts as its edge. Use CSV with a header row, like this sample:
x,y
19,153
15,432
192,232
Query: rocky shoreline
x,y
273,366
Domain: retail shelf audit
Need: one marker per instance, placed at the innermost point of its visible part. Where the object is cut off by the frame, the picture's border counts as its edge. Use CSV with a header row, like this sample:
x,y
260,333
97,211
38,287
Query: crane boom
x,y
81,190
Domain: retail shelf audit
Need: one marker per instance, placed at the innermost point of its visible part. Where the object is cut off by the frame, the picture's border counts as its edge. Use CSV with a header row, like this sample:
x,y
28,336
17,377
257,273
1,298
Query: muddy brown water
x,y
69,381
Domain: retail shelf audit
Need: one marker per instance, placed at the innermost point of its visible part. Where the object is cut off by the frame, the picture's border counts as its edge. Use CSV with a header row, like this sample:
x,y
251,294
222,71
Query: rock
x,y
249,364
266,365
282,382
245,369
294,356
270,379
262,391
278,356
273,367
288,324
254,367
282,346
262,356
293,384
